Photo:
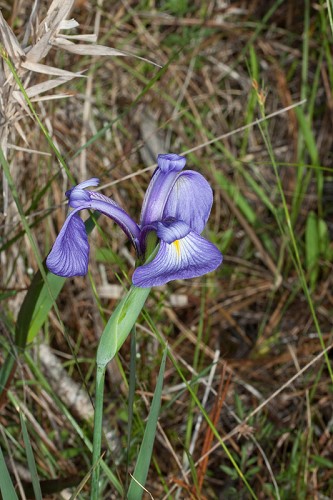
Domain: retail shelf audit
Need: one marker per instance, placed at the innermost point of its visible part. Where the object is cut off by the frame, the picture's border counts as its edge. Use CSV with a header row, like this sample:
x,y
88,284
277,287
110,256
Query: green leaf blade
x,y
138,481
120,324
6,485
31,460
312,249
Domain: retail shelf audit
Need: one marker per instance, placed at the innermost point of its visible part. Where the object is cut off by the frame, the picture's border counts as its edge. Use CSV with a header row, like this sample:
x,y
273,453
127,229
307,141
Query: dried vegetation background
x,y
242,335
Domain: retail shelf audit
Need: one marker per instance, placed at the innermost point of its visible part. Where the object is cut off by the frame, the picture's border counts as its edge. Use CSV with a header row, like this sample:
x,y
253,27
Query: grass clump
x,y
245,92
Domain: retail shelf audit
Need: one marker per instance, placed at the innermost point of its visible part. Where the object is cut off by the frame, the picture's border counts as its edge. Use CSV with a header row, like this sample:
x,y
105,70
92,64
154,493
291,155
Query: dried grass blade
x,y
29,27
54,9
40,88
57,13
20,99
68,24
21,133
96,50
9,40
51,97
215,415
47,70
85,49
92,38
27,150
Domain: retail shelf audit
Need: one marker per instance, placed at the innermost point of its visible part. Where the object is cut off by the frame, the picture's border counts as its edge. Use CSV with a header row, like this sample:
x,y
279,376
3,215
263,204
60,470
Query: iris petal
x,y
110,208
70,253
81,199
78,196
94,181
171,230
159,187
189,257
190,200
170,161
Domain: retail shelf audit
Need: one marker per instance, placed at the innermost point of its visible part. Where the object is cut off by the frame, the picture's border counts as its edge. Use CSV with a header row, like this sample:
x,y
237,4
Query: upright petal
x,y
70,253
187,257
190,200
171,161
169,166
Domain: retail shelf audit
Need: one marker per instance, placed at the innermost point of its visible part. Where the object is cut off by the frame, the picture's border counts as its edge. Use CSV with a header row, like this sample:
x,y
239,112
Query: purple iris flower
x,y
176,208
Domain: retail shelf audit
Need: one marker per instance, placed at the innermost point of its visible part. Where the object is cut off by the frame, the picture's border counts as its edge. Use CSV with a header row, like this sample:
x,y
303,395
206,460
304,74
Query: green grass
x,y
265,315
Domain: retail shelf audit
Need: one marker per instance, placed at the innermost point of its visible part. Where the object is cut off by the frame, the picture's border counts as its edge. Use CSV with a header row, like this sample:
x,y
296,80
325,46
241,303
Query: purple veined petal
x,y
190,200
171,230
81,199
93,182
168,230
169,166
109,207
77,196
170,161
188,257
70,253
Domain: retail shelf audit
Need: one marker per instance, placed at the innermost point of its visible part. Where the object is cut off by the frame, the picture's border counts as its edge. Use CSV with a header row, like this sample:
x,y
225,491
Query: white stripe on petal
x,y
189,257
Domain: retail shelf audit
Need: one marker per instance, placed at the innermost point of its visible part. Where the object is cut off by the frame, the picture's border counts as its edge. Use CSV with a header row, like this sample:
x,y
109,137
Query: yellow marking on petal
x,y
177,245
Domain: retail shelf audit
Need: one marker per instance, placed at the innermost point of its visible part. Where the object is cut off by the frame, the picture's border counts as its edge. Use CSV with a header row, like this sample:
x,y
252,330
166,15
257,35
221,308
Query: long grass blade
x,y
79,429
6,485
296,255
114,335
312,247
30,459
39,300
138,481
131,395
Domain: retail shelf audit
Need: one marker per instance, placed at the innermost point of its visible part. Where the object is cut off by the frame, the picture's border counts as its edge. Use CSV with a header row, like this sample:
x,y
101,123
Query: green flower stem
x,y
98,420
120,324
114,335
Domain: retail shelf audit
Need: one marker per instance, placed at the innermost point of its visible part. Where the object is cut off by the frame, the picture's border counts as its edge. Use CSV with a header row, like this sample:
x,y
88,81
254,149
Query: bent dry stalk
x,y
168,245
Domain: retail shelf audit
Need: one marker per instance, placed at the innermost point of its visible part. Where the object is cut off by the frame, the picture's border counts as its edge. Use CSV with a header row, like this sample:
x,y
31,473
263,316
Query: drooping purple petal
x,y
78,196
188,257
109,207
93,182
70,253
81,199
159,188
190,200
